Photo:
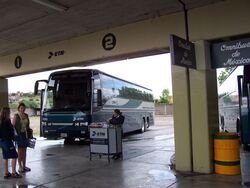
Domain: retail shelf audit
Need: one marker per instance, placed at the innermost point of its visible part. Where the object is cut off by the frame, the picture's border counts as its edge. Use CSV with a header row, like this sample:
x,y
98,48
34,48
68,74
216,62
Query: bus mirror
x,y
99,97
36,88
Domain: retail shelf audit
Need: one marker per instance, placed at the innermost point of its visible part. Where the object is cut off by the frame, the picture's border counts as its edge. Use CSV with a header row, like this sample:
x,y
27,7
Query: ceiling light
x,y
51,5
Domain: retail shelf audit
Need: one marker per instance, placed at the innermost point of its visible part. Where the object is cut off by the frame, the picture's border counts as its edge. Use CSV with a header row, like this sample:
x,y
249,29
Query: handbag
x,y
30,133
32,143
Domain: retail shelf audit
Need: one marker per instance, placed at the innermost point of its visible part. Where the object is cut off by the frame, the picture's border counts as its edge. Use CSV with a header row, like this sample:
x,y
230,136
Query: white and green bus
x,y
73,99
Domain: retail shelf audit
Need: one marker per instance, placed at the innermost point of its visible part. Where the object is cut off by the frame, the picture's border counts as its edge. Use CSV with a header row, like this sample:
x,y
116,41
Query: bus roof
x,y
95,71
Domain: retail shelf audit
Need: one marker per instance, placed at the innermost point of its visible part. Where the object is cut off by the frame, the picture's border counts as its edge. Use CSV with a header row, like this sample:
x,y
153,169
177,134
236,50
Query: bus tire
x,y
147,122
144,126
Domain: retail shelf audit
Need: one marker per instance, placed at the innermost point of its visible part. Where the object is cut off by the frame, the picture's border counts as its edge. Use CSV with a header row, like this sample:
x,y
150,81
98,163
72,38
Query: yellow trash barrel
x,y
226,153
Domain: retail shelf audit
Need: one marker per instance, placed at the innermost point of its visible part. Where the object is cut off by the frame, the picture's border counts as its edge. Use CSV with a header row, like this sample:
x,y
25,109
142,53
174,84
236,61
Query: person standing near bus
x,y
8,148
116,121
21,123
117,118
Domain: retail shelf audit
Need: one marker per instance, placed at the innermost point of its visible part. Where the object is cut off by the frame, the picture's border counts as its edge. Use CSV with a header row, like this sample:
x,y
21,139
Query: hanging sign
x,y
182,52
232,53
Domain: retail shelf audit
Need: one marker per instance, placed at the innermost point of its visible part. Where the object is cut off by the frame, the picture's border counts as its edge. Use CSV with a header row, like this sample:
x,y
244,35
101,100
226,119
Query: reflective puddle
x,y
23,186
162,175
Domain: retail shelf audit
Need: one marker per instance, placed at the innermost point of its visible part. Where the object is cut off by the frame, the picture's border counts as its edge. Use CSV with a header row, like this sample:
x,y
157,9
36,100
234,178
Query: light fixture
x,y
51,5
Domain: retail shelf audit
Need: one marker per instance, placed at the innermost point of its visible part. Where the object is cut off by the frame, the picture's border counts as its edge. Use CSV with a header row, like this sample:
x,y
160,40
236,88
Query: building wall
x,y
163,109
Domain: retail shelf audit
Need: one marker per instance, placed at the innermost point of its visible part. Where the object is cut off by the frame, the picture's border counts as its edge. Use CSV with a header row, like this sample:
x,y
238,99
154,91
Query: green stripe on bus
x,y
226,163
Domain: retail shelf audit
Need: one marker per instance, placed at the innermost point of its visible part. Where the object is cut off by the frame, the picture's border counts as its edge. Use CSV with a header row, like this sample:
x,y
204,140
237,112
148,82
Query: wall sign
x,y
232,53
109,41
18,62
182,52
56,53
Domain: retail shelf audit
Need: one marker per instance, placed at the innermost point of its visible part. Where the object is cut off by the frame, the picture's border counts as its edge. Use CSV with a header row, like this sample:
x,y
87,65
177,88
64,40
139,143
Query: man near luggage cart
x,y
116,121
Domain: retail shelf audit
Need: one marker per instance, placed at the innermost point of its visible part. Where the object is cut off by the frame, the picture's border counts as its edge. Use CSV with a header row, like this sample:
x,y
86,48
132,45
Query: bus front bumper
x,y
65,132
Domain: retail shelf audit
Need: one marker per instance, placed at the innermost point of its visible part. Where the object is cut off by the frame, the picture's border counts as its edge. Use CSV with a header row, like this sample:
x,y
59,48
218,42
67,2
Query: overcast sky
x,y
153,72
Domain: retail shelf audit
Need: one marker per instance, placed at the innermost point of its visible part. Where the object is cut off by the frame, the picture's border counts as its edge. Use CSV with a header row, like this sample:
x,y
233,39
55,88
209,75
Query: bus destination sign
x,y
232,53
182,52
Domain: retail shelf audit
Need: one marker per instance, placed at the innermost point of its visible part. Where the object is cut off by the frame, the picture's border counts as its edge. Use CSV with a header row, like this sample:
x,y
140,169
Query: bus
x,y
229,102
73,99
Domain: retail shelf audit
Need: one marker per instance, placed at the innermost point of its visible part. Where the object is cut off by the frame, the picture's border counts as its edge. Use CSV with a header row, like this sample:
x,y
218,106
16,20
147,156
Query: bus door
x,y
244,106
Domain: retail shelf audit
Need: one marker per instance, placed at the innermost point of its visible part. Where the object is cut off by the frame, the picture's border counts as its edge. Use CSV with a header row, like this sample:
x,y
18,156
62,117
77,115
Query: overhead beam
x,y
149,36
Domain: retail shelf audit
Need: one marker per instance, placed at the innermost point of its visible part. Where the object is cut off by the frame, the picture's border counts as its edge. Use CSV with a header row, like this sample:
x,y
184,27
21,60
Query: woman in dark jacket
x,y
7,137
117,118
116,121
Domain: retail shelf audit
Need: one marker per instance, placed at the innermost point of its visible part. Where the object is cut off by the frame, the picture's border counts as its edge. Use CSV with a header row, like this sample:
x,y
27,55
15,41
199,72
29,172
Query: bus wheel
x,y
143,126
147,122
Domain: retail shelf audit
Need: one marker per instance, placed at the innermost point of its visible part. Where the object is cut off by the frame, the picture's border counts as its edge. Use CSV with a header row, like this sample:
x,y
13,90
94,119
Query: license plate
x,y
82,132
64,135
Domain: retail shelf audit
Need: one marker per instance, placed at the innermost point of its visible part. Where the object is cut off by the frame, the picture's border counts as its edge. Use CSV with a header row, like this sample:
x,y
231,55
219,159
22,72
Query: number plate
x,y
64,135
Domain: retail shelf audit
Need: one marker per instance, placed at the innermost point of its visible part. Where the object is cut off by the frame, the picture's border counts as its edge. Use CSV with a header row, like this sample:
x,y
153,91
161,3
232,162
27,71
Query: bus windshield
x,y
68,92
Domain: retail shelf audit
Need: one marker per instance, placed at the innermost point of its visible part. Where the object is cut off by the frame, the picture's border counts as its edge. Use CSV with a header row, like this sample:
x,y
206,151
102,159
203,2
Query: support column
x,y
204,113
3,92
204,105
181,119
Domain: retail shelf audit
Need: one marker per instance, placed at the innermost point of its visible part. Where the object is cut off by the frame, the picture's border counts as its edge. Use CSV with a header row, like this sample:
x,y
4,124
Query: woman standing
x,y
7,137
22,123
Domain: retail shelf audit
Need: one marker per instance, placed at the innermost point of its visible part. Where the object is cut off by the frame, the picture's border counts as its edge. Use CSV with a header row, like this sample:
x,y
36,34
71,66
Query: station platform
x,y
145,165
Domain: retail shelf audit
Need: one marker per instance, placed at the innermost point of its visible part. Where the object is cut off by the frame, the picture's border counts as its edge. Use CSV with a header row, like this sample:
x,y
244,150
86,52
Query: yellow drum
x,y
226,153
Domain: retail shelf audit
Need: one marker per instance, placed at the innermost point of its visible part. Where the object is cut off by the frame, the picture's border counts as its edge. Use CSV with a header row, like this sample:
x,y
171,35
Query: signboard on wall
x,y
232,53
182,52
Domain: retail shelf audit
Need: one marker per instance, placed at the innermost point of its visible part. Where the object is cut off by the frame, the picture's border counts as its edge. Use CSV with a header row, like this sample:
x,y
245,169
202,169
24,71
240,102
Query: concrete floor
x,y
145,165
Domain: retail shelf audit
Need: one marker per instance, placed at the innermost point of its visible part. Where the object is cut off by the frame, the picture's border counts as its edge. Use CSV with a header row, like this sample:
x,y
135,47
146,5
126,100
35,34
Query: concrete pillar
x,y
181,119
204,105
3,92
193,143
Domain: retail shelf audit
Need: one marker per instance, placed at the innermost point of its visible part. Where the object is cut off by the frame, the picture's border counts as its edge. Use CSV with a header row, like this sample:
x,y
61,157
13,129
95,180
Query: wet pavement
x,y
146,164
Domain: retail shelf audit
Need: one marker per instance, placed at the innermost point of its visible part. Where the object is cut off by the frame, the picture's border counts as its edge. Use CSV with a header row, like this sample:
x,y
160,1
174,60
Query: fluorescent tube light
x,y
51,5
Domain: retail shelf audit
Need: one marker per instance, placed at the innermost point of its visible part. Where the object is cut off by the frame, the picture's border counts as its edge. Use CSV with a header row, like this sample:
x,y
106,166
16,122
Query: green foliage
x,y
13,105
164,98
135,94
29,99
225,73
30,104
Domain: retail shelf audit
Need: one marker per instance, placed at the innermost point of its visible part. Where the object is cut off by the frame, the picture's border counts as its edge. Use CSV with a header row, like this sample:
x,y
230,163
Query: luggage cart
x,y
105,141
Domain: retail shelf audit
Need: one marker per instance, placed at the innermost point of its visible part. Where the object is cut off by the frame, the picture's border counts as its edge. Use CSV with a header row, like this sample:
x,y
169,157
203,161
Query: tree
x,y
165,97
30,104
225,73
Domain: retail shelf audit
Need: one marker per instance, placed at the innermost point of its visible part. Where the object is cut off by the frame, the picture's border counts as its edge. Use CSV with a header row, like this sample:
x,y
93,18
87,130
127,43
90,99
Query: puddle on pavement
x,y
135,139
163,137
162,175
50,154
23,186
